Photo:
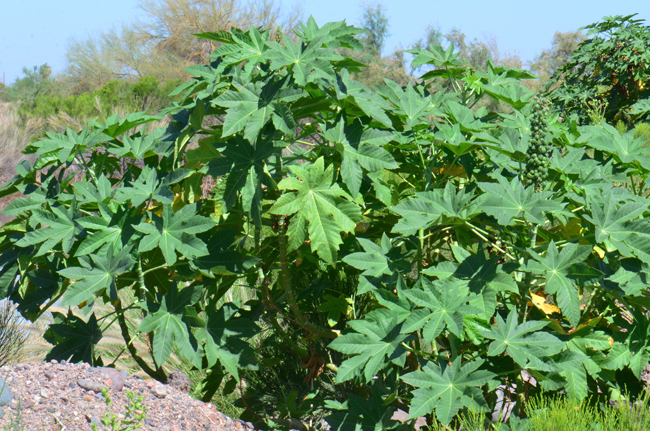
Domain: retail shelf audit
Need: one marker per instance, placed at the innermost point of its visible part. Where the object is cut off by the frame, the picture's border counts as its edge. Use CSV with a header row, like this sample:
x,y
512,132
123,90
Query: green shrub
x,y
394,257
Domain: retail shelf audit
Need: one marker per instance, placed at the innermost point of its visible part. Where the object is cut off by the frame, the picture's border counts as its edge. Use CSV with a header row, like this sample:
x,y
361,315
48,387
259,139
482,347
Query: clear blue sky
x,y
34,32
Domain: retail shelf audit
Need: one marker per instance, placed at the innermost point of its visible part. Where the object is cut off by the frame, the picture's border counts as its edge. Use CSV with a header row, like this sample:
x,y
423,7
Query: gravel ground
x,y
64,396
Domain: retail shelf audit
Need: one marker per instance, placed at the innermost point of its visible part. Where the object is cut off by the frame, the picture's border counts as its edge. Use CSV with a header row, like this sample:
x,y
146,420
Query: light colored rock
x,y
89,385
159,390
5,393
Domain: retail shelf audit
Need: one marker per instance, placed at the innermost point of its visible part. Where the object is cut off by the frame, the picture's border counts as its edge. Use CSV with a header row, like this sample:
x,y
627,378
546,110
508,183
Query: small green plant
x,y
16,421
132,419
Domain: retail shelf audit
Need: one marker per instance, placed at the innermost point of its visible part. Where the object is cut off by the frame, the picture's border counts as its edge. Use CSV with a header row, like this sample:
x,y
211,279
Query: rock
x,y
5,393
44,393
89,385
151,383
116,379
174,428
49,375
180,381
159,390
124,374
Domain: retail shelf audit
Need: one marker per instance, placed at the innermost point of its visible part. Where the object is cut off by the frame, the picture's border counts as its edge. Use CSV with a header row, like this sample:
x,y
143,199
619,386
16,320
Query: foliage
x,y
132,419
36,82
147,93
611,67
375,22
458,277
12,336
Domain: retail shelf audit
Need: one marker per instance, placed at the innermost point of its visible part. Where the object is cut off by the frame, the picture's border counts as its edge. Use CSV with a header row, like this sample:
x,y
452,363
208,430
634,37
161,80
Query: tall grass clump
x,y
12,334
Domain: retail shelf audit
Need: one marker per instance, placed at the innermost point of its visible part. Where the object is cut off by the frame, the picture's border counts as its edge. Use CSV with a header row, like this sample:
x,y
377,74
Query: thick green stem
x,y
158,374
301,319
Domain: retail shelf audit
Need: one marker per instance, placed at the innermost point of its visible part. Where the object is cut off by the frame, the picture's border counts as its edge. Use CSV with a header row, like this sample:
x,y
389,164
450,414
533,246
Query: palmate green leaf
x,y
524,343
252,105
64,147
619,357
61,229
625,148
371,103
445,302
335,307
325,208
106,265
359,414
481,274
146,186
114,126
558,267
376,342
175,232
507,200
140,147
245,165
165,320
239,46
427,208
436,56
618,225
447,390
373,261
407,103
307,62
114,228
360,148
221,260
337,34
75,338
224,336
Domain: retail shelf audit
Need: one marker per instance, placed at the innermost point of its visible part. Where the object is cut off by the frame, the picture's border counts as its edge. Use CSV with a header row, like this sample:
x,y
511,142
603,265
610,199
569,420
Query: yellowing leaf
x,y
540,302
599,251
570,230
454,171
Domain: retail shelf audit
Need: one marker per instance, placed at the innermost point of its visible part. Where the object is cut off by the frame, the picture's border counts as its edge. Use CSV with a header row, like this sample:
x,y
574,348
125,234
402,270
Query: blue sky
x,y
34,32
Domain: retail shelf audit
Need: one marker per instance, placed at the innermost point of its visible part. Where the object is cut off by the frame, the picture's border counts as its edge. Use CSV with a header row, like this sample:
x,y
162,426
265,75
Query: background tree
x,y
375,22
37,81
162,45
563,45
392,66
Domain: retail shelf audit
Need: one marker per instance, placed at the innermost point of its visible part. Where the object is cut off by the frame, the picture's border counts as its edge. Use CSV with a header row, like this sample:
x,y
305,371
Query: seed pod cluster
x,y
538,154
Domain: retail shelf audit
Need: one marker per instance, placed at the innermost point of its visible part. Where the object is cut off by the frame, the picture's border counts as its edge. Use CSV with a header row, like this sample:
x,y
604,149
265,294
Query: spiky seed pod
x,y
537,160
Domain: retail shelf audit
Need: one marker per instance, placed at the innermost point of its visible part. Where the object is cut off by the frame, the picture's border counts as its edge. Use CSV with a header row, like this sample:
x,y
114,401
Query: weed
x,y
16,421
132,419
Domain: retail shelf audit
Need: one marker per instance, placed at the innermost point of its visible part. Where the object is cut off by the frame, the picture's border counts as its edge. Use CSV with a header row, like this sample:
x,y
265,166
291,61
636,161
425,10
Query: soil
x,y
49,396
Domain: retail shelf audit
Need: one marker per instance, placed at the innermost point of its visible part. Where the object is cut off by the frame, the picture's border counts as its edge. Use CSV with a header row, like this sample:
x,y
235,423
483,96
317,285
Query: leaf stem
x,y
158,374
286,283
